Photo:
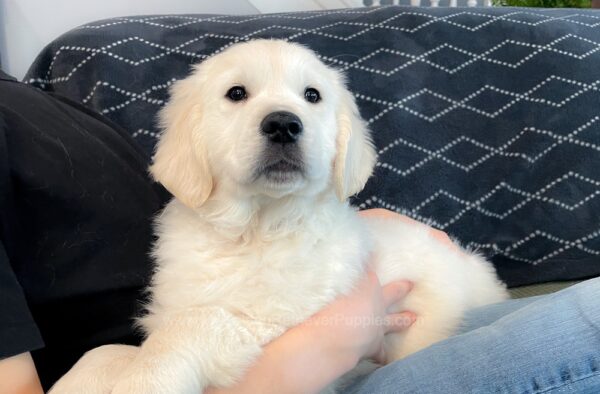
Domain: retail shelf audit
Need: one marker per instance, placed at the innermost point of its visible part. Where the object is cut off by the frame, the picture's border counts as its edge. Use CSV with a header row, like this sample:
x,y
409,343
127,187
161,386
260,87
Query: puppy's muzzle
x,y
281,127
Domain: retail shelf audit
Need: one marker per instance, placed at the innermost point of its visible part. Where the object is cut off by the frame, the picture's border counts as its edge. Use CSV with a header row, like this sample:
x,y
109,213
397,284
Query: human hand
x,y
354,325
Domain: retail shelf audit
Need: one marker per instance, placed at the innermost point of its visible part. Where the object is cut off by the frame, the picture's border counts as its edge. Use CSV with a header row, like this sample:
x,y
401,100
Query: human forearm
x,y
19,376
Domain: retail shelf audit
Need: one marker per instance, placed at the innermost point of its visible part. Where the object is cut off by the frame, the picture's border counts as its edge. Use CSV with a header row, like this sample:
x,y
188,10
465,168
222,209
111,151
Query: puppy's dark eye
x,y
312,95
236,93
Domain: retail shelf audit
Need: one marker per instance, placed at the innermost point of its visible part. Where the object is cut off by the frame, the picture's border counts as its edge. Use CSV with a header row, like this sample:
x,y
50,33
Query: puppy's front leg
x,y
192,350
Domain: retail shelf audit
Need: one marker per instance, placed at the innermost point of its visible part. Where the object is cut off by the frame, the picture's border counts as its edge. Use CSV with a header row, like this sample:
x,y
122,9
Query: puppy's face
x,y
262,118
269,117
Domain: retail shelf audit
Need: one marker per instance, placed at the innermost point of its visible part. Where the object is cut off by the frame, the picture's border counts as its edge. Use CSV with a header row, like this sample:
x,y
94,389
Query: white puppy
x,y
262,146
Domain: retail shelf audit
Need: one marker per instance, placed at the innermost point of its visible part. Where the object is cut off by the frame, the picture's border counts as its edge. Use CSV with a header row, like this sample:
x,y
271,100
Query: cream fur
x,y
240,259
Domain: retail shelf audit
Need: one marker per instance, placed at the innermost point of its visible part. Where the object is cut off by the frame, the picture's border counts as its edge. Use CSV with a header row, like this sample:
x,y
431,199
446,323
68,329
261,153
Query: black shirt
x,y
76,205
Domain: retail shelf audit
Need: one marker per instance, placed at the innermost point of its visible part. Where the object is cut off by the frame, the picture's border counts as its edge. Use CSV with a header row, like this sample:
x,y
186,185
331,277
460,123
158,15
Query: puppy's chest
x,y
282,279
273,281
294,277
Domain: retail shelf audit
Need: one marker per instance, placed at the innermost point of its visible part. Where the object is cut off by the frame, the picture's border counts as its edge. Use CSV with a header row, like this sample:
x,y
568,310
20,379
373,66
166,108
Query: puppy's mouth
x,y
281,171
280,164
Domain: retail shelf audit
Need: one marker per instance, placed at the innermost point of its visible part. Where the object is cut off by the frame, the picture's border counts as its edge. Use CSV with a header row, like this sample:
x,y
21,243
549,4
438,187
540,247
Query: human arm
x,y
19,376
18,334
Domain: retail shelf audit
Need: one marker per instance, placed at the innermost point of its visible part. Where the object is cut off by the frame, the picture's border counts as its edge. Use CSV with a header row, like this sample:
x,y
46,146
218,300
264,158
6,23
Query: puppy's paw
x,y
166,374
97,371
141,384
145,383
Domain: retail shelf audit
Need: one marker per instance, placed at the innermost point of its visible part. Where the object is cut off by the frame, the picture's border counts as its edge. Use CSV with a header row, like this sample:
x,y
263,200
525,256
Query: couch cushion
x,y
486,120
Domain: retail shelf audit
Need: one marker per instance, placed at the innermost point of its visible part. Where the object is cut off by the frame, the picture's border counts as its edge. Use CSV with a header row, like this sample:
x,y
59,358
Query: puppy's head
x,y
264,117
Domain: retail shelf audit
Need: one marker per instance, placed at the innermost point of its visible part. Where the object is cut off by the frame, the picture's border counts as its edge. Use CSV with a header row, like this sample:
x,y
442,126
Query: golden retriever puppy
x,y
262,146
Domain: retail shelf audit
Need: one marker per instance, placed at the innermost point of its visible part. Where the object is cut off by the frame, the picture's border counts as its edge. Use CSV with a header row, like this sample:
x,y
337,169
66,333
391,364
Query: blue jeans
x,y
546,344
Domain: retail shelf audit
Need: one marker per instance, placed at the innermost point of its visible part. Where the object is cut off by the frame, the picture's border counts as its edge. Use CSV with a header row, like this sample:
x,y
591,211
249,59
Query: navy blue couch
x,y
487,120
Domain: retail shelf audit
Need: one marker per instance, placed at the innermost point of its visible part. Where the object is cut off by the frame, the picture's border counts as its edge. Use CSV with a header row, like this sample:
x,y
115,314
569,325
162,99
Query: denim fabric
x,y
547,344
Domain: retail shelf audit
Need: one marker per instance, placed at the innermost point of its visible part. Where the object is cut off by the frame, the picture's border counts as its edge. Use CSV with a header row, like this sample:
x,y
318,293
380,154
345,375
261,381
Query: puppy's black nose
x,y
281,127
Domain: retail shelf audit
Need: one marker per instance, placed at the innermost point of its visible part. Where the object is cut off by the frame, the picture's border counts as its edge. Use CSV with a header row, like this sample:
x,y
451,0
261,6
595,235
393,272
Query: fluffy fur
x,y
242,257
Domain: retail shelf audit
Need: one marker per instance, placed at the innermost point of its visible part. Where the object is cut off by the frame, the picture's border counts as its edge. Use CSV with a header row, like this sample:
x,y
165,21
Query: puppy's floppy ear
x,y
180,160
355,156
